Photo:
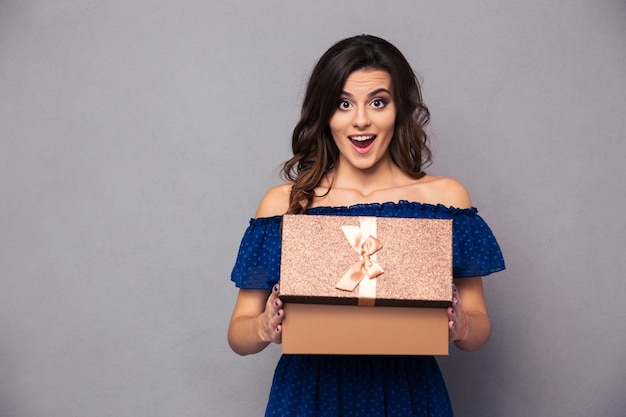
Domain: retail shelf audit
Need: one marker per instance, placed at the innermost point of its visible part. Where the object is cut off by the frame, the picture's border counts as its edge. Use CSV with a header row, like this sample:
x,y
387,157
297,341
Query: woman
x,y
359,150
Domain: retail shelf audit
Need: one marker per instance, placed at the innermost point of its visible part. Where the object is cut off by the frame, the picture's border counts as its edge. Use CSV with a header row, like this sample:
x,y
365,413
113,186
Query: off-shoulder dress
x,y
363,386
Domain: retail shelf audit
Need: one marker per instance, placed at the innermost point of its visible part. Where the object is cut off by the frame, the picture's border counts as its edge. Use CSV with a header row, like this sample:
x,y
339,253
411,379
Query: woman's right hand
x,y
256,321
272,317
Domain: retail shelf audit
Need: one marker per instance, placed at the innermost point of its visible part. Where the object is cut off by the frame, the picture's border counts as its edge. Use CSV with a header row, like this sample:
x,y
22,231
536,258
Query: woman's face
x,y
363,123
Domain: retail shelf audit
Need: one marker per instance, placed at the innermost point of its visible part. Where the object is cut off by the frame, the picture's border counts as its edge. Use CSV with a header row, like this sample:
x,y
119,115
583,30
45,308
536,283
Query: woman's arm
x,y
258,314
468,320
256,321
469,324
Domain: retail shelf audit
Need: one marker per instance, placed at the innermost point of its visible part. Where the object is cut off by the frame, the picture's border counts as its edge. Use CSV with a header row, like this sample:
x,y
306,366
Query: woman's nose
x,y
361,118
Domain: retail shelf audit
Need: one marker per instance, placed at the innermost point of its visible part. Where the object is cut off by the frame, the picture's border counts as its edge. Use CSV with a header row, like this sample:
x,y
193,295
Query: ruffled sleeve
x,y
258,261
475,251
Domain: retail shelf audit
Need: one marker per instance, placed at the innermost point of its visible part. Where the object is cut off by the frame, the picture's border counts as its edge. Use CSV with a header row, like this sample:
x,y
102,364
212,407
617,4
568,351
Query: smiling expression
x,y
363,124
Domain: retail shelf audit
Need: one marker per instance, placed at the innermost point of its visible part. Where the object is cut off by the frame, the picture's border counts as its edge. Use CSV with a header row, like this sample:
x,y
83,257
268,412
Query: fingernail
x,y
276,287
278,314
276,303
456,301
454,288
453,311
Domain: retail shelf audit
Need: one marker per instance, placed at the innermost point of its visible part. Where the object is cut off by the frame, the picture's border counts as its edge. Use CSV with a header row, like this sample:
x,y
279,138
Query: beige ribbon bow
x,y
363,240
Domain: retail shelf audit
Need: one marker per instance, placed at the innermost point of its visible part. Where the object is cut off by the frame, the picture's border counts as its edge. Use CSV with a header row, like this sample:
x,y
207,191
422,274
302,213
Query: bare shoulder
x,y
275,202
446,191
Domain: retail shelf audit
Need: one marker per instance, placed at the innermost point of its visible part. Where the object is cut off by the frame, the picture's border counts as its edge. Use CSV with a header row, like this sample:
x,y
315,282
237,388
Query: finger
x,y
452,314
276,314
280,313
275,329
278,334
452,330
273,301
277,305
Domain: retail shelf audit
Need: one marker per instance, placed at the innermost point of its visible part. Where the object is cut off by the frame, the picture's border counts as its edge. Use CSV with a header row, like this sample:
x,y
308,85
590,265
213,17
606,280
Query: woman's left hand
x,y
457,319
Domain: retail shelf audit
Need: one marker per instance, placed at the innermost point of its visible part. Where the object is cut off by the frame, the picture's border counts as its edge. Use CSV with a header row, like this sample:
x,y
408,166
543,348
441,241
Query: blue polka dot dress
x,y
363,386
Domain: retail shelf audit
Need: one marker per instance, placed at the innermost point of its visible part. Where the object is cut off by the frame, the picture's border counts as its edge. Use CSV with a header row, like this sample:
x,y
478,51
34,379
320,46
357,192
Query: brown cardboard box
x,y
402,310
354,330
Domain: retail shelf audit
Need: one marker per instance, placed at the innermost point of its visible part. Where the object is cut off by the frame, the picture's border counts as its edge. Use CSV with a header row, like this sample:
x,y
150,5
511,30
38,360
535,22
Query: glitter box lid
x,y
415,257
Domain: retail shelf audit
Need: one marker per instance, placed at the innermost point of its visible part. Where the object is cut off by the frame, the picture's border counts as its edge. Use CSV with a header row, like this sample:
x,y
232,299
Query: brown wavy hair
x,y
315,152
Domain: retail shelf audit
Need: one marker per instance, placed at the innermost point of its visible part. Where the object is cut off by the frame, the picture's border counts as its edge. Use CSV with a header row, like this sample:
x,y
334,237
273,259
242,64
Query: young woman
x,y
359,149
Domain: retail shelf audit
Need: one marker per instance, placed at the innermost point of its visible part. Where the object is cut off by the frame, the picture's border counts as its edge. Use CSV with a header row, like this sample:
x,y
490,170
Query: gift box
x,y
366,285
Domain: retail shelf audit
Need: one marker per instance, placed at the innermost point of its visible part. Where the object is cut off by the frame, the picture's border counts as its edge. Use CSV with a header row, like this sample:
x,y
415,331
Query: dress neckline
x,y
400,204
383,209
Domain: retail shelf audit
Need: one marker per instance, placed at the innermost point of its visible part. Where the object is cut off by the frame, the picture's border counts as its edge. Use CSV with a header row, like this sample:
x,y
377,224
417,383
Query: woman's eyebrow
x,y
378,91
370,94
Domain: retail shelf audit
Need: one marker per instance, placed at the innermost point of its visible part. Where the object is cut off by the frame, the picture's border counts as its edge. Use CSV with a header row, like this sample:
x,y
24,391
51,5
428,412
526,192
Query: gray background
x,y
136,139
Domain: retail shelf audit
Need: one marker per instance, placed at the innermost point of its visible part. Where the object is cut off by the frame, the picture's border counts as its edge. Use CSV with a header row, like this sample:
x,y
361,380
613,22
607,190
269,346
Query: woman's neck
x,y
366,181
344,187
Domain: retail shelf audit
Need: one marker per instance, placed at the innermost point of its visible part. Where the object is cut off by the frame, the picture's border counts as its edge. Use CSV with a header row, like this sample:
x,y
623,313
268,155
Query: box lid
x,y
415,256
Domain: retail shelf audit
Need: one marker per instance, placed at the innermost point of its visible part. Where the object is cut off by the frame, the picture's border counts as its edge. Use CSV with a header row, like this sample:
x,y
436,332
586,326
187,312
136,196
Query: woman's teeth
x,y
361,138
362,142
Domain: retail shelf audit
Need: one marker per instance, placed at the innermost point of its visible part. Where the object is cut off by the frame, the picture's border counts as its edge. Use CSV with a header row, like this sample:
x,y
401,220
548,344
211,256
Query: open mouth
x,y
362,141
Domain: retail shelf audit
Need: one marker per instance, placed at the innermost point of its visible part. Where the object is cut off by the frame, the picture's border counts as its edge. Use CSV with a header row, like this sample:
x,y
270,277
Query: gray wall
x,y
136,139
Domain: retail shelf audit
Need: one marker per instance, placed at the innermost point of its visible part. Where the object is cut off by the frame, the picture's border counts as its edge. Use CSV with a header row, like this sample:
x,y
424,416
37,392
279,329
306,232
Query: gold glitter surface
x,y
416,257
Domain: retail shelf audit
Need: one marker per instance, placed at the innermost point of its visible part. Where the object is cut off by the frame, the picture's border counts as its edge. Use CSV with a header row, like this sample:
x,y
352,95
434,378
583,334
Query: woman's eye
x,y
378,103
344,104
